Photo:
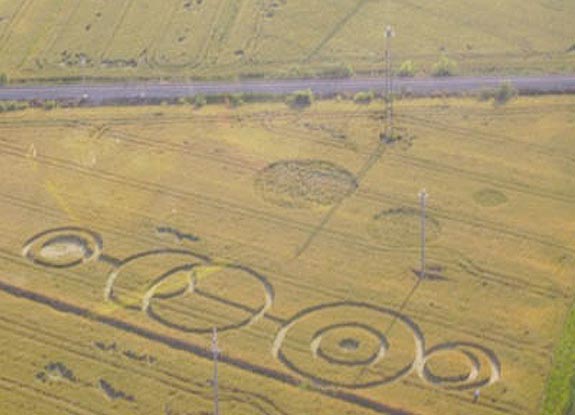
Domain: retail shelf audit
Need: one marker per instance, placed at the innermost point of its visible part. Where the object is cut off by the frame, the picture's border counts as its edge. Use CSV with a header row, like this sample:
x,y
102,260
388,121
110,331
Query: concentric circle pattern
x,y
63,247
482,366
352,344
349,345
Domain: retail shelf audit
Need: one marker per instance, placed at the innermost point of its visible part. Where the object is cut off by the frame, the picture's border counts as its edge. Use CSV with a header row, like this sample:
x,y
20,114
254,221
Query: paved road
x,y
110,92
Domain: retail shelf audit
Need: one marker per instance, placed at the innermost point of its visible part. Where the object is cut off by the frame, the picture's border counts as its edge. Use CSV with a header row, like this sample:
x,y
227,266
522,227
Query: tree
x,y
300,99
407,69
3,79
444,67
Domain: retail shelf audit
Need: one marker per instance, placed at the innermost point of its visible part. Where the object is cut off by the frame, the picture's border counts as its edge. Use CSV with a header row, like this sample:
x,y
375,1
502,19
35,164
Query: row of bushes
x,y
297,100
443,67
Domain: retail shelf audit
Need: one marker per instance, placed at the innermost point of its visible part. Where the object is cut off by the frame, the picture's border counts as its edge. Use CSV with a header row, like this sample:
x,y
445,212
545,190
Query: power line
x,y
389,34
423,203
215,353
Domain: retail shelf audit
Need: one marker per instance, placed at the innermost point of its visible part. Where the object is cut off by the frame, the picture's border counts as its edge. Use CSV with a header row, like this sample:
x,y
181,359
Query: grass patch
x,y
560,389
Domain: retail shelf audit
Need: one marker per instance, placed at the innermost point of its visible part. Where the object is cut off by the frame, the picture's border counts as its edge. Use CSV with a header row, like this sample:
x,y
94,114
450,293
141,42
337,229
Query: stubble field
x,y
71,39
128,233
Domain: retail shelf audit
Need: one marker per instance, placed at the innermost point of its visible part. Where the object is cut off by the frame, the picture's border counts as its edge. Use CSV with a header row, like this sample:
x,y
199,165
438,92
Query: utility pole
x,y
389,34
422,201
215,353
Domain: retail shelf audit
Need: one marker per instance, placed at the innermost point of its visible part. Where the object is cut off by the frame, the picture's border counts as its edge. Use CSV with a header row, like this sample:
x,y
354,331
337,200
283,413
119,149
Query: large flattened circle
x,y
383,355
304,183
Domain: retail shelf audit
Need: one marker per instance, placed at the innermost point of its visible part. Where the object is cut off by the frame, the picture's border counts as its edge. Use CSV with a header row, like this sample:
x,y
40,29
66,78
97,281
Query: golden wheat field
x,y
129,233
100,39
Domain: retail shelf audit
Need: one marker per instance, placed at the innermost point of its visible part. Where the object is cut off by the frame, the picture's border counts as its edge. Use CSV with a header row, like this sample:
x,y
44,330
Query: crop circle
x,y
480,366
304,183
489,198
369,357
350,344
189,292
400,227
237,315
63,247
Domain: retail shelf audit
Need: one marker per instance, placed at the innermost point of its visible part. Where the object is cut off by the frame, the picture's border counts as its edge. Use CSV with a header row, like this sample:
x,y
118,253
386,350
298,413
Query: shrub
x,y
505,93
7,106
49,104
340,71
3,79
236,100
501,95
486,94
444,67
407,69
363,97
200,101
300,99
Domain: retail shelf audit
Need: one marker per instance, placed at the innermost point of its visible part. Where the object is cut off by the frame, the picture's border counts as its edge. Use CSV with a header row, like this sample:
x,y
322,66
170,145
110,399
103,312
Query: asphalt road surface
x,y
98,93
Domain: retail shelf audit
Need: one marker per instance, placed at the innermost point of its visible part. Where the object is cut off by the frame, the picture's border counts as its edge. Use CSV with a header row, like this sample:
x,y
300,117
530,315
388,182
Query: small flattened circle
x,y
489,198
349,344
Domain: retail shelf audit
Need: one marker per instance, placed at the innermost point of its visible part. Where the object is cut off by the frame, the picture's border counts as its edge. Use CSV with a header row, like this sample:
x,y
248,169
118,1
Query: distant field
x,y
72,39
128,233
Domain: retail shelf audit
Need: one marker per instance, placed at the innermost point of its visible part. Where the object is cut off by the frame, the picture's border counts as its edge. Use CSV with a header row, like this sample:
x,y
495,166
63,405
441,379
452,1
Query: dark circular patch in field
x,y
349,344
489,198
402,227
304,183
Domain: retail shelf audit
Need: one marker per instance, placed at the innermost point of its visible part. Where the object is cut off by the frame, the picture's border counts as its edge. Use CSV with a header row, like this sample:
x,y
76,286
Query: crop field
x,y
179,39
129,233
